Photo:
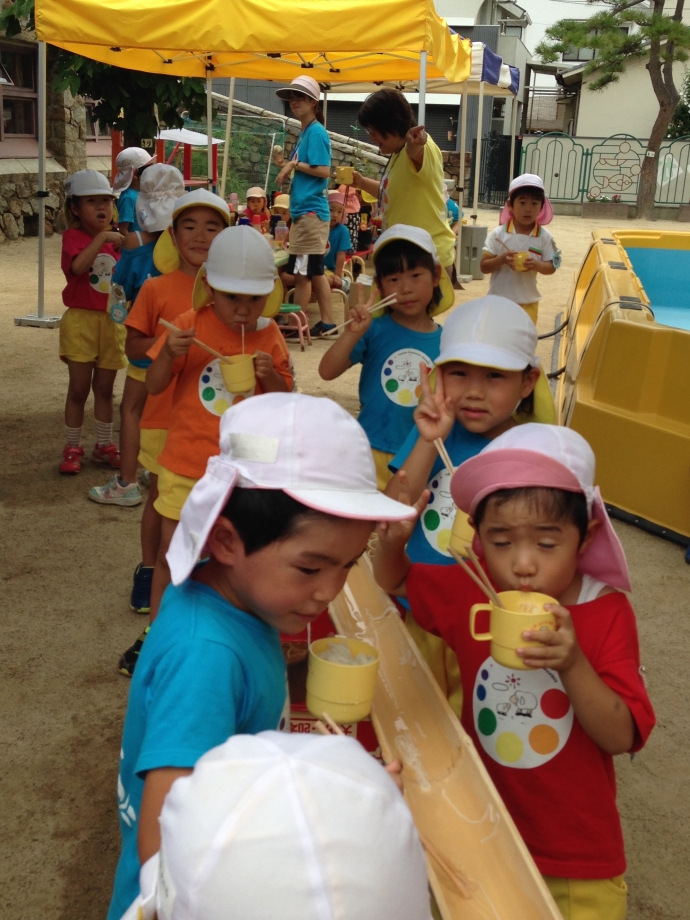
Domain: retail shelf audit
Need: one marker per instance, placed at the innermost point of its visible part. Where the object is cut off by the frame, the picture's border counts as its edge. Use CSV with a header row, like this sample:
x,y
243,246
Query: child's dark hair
x,y
530,190
388,112
264,516
401,256
557,504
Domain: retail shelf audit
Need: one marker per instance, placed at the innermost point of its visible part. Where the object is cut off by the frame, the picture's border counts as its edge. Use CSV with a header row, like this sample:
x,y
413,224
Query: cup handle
x,y
480,637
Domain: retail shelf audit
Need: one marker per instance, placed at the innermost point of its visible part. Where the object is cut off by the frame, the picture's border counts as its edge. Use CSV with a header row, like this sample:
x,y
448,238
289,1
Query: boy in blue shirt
x,y
130,163
339,244
284,512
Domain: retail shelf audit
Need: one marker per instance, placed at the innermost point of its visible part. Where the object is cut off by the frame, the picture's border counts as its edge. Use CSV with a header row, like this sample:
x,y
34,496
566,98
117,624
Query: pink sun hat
x,y
547,457
530,180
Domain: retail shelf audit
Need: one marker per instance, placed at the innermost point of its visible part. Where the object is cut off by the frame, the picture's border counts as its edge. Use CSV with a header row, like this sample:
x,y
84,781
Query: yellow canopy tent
x,y
333,40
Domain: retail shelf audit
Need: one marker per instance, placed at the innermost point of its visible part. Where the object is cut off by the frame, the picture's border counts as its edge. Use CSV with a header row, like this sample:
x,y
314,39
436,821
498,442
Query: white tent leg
x,y
325,107
421,115
228,134
478,164
209,128
268,168
38,318
513,127
461,181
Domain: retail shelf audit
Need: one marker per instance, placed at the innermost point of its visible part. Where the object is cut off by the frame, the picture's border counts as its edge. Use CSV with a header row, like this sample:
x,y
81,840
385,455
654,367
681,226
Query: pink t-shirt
x,y
90,290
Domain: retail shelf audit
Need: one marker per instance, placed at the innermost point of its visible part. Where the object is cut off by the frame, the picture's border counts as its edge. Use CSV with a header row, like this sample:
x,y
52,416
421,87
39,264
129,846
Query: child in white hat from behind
x,y
299,827
546,733
284,512
521,230
131,164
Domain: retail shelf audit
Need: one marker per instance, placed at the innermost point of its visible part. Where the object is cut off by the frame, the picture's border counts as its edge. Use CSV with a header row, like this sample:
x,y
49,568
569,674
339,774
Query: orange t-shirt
x,y
164,297
200,397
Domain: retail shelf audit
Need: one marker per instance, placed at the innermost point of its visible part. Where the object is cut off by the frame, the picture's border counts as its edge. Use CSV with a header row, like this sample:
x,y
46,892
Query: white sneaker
x,y
115,494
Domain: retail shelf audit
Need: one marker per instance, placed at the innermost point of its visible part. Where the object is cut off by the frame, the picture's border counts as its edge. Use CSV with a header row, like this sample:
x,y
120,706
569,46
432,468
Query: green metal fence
x,y
574,172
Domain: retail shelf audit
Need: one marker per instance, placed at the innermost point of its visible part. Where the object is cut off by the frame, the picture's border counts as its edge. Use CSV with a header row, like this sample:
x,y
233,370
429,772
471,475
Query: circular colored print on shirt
x,y
400,376
101,272
522,718
439,514
212,392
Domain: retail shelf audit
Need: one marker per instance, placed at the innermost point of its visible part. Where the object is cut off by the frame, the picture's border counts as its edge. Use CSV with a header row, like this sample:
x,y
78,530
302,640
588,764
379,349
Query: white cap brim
x,y
371,506
259,287
484,356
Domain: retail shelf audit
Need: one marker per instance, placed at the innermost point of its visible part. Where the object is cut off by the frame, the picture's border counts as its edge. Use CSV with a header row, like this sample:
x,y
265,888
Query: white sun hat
x,y
255,192
307,446
301,827
491,331
87,182
548,457
128,161
166,258
423,239
302,84
161,185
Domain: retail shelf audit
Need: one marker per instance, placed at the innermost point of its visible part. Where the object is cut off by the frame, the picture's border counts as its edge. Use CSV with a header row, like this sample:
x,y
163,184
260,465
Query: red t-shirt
x,y
264,214
558,785
200,397
165,297
90,290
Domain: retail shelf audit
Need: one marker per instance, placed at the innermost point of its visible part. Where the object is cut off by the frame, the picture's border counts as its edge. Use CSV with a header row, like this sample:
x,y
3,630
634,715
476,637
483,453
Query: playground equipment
x,y
624,363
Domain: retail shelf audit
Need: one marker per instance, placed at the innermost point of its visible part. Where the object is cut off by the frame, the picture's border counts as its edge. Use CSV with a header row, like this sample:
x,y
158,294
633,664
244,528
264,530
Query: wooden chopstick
x,y
377,306
482,574
198,343
475,578
332,724
444,455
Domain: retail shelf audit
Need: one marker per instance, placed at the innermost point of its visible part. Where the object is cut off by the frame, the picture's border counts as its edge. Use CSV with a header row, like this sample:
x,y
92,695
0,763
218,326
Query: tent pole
x,y
461,177
478,164
268,168
325,107
209,126
228,134
513,128
38,318
421,114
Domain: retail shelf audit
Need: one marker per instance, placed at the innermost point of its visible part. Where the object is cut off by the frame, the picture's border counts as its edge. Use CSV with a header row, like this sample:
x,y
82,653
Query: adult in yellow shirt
x,y
411,188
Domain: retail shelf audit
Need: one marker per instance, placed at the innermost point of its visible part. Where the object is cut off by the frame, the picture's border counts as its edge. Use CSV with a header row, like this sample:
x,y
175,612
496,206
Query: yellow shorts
x,y
532,310
589,899
136,373
172,493
151,444
383,474
91,337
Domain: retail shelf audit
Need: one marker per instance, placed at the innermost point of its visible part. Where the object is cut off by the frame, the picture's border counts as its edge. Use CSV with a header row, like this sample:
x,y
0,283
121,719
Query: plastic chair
x,y
338,297
296,318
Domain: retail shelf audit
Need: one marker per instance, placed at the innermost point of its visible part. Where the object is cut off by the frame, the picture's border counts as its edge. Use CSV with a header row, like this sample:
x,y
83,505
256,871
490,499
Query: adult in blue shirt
x,y
310,167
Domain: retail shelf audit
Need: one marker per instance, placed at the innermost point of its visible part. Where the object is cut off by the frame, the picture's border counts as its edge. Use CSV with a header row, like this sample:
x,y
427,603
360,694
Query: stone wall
x,y
66,130
19,206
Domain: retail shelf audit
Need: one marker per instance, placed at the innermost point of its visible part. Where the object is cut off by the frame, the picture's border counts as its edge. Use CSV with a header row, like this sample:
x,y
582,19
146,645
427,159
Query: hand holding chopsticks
x,y
372,309
198,343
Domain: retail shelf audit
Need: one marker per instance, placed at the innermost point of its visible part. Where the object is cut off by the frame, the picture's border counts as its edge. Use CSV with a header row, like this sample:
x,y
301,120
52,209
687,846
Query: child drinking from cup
x,y
322,799
339,244
91,344
546,733
161,186
520,248
285,511
391,347
236,295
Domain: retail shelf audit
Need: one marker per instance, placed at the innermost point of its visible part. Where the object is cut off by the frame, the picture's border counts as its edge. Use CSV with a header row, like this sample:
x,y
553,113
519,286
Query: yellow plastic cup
x,y
462,533
523,610
344,691
238,373
520,259
344,175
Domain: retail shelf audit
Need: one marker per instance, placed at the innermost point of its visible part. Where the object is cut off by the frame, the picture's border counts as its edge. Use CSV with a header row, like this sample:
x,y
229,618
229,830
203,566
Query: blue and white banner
x,y
488,67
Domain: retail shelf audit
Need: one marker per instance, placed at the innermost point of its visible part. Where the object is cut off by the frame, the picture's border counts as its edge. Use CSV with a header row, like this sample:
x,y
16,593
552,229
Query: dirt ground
x,y
66,573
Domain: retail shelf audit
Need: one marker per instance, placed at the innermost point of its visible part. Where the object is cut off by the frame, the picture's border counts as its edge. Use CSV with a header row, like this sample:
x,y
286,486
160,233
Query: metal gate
x,y
561,162
494,174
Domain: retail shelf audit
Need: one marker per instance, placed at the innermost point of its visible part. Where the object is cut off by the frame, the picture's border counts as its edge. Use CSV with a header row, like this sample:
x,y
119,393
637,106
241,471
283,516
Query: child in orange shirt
x,y
197,218
235,296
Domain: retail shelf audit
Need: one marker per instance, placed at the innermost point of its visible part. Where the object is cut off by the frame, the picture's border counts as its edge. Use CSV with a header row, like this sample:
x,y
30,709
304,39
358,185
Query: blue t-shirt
x,y
309,193
429,540
126,209
207,671
389,386
339,241
135,267
453,211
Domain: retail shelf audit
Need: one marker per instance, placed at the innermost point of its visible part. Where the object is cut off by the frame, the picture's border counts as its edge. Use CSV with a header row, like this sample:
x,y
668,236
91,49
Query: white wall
x,y
626,107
